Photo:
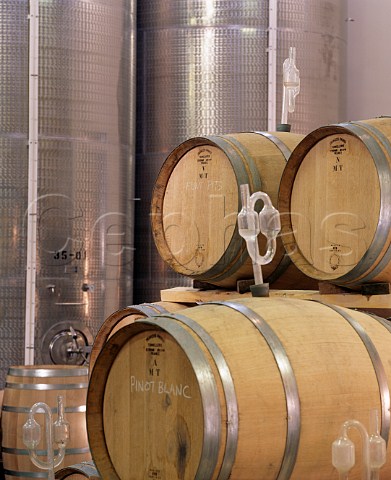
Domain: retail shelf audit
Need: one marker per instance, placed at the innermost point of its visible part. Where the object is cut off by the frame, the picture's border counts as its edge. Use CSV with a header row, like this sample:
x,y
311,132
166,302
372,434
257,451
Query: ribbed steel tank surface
x,y
85,171
203,69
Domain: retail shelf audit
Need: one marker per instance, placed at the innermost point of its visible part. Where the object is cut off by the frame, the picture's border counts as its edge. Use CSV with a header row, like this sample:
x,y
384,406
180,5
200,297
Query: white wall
x,y
369,59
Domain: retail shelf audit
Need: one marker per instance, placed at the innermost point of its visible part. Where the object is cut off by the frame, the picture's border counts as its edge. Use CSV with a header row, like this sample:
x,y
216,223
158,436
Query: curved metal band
x,y
278,143
14,473
289,383
47,372
245,171
286,152
385,207
68,451
387,326
255,181
378,367
8,408
88,468
256,185
208,390
45,386
236,153
148,309
229,392
159,308
381,320
383,170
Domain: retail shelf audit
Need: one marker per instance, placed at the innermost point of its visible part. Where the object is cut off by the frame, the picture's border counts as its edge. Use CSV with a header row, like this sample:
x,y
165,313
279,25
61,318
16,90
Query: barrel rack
x,y
374,298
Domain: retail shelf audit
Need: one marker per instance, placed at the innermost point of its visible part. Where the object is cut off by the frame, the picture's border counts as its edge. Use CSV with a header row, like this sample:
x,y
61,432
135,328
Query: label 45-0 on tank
x,y
159,387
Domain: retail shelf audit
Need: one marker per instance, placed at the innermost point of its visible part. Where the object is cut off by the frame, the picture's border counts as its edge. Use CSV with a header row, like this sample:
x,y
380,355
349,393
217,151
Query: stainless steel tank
x,y
203,68
85,173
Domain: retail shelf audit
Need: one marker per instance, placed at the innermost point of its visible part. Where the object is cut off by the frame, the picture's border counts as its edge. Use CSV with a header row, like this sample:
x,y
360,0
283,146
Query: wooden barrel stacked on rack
x,y
196,201
253,387
334,201
244,389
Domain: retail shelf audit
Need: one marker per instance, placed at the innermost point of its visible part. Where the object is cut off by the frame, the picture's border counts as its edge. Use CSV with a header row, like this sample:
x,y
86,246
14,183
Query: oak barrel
x,y
26,385
248,389
79,471
196,200
125,316
334,202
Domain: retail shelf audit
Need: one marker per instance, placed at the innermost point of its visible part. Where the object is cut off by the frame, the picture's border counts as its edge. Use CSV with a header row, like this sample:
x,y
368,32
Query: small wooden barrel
x,y
196,200
26,385
79,472
248,389
126,316
334,202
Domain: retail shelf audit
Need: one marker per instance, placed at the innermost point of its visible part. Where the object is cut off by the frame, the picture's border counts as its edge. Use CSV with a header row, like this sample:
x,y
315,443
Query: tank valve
x,y
86,287
66,343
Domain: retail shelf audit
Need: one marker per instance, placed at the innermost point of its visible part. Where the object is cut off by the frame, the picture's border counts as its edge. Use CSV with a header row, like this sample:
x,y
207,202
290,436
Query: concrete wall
x,y
369,59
